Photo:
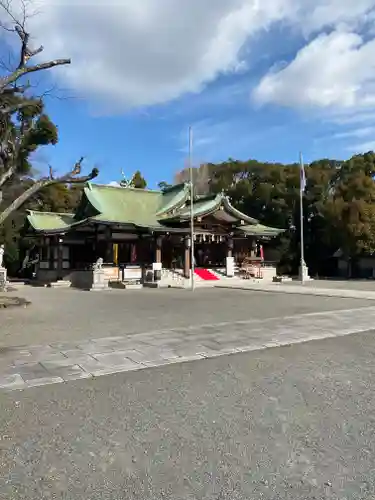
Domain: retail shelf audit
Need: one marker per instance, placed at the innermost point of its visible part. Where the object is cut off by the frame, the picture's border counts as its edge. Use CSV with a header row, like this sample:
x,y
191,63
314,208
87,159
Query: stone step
x,y
60,284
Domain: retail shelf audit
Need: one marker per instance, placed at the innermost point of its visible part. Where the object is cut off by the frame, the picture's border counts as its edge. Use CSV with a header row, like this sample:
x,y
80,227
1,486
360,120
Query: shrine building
x,y
143,235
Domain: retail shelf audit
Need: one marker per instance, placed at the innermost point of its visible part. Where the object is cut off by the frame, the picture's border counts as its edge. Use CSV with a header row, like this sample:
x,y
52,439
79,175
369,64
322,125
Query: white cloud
x,y
130,53
361,148
137,53
359,132
317,14
354,117
335,71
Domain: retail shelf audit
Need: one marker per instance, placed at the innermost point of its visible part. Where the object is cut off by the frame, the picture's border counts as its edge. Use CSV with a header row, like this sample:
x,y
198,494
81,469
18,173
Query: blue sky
x,y
254,79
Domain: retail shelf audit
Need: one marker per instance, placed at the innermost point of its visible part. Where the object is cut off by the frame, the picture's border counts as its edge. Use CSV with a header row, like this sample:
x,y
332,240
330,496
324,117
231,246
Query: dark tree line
x,y
338,205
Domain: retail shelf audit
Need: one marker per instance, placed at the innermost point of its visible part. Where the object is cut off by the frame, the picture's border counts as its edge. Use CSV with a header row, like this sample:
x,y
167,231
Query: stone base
x,y
156,284
133,286
303,273
60,284
281,279
98,286
3,279
99,280
123,285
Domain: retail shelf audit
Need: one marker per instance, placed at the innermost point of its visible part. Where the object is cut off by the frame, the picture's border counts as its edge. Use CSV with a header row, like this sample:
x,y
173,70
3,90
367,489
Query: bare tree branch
x,y
69,178
6,175
17,107
5,82
26,52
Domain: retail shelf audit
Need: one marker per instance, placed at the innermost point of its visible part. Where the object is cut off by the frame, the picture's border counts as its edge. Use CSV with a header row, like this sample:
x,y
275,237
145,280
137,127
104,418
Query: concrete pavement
x,y
58,362
287,423
70,315
339,289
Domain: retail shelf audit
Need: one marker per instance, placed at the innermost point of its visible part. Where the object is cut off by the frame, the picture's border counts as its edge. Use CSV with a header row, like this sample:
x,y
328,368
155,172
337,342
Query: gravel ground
x,y
66,314
285,423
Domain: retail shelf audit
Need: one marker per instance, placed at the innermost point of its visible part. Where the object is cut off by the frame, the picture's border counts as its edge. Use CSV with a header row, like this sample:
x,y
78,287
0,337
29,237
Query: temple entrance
x,y
210,254
172,253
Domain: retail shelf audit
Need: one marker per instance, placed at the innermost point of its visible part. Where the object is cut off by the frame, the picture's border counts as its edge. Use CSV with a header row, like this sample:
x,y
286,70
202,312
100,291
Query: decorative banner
x,y
261,252
133,253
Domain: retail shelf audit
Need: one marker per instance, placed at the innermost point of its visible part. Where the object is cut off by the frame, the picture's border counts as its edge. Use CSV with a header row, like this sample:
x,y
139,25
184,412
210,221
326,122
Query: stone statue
x,y
1,255
98,264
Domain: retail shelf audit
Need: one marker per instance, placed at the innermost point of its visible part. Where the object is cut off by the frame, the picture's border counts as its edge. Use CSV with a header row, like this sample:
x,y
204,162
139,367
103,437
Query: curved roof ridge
x,y
173,198
237,212
169,189
31,212
129,188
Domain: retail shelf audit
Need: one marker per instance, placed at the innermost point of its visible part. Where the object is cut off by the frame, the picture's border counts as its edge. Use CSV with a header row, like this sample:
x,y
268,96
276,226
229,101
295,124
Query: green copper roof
x,y
124,205
50,221
200,208
143,208
209,204
173,198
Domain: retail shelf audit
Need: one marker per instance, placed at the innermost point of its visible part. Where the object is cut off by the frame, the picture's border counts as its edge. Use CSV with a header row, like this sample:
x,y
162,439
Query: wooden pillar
x,y
187,266
253,248
109,247
95,244
50,243
230,246
158,245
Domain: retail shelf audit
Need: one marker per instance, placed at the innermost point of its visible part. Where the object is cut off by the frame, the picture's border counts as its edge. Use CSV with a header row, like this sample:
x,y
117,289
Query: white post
x,y
3,271
301,216
191,209
304,275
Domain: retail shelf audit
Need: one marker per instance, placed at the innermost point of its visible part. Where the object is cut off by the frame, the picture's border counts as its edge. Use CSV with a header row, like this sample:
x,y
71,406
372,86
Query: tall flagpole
x,y
302,242
192,264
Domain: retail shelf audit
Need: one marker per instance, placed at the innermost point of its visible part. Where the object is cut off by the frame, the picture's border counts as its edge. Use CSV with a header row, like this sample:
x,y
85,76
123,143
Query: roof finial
x,y
126,182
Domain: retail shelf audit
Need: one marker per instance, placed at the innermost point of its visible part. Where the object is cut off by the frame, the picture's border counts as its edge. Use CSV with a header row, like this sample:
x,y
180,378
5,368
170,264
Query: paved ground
x,y
67,314
364,290
365,285
66,334
286,423
22,368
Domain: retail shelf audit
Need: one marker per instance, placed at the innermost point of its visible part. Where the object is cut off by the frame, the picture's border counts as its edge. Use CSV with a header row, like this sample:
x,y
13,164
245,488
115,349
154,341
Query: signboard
x,y
111,273
132,274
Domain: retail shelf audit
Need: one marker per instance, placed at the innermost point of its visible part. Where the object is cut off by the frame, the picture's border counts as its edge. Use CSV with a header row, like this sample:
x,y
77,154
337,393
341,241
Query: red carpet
x,y
206,275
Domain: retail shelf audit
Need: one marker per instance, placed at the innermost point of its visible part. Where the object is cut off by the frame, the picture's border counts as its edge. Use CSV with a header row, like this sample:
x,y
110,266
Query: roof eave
x,y
178,204
204,213
165,229
58,230
238,213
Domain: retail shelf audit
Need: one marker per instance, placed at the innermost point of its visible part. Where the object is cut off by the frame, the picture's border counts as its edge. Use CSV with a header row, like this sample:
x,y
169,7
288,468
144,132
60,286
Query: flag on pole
x,y
302,174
